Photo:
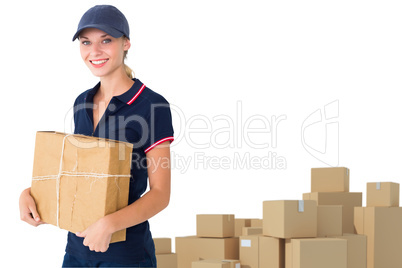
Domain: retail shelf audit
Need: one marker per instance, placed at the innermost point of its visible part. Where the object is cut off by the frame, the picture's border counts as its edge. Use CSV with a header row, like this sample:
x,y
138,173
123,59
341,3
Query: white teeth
x,y
98,61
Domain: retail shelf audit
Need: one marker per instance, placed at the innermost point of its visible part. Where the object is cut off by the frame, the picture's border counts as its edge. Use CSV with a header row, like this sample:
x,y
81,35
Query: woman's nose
x,y
95,49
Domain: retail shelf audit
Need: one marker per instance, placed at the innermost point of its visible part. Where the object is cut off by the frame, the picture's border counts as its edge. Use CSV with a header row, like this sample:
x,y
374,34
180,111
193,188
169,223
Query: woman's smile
x,y
98,63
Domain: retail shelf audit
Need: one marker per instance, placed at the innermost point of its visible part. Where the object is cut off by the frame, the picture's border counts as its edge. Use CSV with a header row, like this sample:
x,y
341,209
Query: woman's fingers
x,y
28,212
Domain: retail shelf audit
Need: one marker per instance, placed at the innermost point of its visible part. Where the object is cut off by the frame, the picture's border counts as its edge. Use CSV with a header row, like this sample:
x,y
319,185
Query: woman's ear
x,y
127,44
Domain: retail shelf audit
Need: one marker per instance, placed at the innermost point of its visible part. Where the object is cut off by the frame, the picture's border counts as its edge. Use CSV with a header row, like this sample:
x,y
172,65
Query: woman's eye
x,y
85,43
106,41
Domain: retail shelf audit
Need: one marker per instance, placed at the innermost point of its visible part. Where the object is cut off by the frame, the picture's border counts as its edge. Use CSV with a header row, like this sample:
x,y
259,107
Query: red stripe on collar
x,y
136,95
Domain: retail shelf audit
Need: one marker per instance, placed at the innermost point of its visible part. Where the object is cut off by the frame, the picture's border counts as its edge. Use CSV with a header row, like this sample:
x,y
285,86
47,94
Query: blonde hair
x,y
129,71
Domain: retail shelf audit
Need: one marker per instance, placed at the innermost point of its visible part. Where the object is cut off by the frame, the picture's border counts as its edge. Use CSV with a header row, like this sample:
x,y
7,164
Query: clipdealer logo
x,y
224,141
320,134
219,142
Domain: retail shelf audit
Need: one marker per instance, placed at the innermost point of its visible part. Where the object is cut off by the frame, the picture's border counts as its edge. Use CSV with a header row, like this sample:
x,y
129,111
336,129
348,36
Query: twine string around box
x,y
71,174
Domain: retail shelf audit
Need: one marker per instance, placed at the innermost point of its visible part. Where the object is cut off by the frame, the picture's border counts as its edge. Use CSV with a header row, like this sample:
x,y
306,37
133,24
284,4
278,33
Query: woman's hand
x,y
28,211
97,236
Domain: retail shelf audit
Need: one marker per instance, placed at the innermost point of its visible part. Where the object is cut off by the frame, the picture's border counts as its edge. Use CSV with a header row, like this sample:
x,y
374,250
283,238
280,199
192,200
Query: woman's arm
x,y
97,236
156,199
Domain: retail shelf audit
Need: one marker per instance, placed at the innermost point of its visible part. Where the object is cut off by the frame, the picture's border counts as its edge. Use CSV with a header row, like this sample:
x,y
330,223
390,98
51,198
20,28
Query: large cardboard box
x,y
334,179
348,201
166,260
210,264
383,228
262,252
382,194
209,225
249,250
271,252
290,218
163,245
232,263
357,250
316,253
79,179
192,248
329,221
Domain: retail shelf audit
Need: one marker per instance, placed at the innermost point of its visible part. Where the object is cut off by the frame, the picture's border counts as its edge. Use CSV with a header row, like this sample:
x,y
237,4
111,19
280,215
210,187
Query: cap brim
x,y
107,29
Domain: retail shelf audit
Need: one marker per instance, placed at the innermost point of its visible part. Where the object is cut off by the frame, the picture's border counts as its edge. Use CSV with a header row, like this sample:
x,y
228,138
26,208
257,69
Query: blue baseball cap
x,y
106,18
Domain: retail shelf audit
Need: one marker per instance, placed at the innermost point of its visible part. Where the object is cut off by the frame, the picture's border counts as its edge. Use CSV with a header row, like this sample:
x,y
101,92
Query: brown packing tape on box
x,y
79,179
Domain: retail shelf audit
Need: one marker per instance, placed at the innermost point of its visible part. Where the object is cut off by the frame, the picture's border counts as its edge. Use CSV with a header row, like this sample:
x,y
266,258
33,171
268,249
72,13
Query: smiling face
x,y
102,53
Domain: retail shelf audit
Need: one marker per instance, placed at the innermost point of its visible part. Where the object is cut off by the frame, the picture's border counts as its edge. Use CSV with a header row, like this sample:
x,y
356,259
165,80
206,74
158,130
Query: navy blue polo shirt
x,y
139,116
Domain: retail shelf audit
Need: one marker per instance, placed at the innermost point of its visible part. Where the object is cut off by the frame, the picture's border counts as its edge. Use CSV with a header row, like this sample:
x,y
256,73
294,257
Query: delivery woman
x,y
122,108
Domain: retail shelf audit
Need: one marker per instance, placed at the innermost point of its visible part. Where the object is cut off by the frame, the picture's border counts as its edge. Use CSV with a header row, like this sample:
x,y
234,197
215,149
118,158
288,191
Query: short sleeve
x,y
159,125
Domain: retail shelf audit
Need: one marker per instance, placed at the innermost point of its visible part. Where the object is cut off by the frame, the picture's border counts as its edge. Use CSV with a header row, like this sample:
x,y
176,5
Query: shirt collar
x,y
127,97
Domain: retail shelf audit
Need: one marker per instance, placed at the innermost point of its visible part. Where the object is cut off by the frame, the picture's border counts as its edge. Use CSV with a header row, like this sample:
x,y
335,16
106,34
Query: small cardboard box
x,y
329,221
255,222
330,179
316,253
166,260
239,224
262,251
290,218
357,250
79,179
382,226
163,245
383,194
192,248
252,231
209,225
348,201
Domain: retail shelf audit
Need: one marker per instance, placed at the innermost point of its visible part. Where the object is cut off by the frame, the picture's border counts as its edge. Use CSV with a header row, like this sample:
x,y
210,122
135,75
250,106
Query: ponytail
x,y
129,71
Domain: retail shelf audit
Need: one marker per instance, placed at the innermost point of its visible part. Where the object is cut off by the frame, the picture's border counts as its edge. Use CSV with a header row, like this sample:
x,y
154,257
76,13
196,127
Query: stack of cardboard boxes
x,y
328,228
381,222
163,251
309,233
215,244
335,219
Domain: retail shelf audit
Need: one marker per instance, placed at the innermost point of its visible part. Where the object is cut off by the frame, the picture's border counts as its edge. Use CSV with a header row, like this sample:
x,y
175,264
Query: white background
x,y
275,58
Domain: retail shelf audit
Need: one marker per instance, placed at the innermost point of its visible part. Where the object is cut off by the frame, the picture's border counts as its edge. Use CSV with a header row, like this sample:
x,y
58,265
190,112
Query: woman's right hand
x,y
28,211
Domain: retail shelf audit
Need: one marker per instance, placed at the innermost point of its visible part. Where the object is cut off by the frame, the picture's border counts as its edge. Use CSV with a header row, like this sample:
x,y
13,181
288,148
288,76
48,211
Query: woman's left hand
x,y
97,236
